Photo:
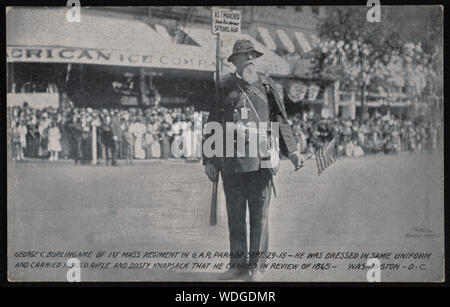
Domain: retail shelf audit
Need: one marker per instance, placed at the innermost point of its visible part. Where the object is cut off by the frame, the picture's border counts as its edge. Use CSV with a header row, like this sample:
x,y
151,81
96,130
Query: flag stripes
x,y
325,156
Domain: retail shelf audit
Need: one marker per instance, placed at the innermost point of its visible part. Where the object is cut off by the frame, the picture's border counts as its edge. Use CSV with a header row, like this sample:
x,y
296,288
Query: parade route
x,y
371,204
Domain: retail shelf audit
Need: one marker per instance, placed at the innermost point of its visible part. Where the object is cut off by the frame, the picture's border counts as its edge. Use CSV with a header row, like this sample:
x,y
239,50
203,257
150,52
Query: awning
x,y
270,62
267,38
49,27
44,35
303,42
287,39
162,30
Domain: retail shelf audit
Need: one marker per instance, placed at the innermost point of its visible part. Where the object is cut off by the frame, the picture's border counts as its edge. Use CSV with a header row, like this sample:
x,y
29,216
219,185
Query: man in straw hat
x,y
248,96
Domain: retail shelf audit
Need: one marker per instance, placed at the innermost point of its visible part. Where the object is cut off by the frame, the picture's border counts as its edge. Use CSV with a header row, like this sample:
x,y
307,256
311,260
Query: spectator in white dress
x,y
137,128
54,144
19,138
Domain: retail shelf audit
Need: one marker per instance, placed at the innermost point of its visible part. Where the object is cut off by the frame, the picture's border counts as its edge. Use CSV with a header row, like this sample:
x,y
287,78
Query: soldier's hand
x,y
297,160
211,171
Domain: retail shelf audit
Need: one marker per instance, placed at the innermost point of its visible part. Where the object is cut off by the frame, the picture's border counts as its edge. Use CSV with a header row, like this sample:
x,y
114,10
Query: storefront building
x,y
99,61
133,56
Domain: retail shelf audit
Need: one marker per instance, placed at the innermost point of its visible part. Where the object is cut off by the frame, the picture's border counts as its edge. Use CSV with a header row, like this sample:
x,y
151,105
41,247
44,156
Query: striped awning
x,y
270,62
303,41
288,40
267,38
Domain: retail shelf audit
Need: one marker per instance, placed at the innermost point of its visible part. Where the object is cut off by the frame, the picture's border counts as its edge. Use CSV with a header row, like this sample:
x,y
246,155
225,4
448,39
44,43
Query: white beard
x,y
249,74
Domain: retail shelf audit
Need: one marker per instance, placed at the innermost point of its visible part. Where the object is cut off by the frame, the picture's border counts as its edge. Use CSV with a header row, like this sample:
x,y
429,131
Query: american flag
x,y
325,156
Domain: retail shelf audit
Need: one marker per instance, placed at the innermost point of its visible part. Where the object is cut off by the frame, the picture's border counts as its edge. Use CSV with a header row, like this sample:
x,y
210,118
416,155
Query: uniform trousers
x,y
253,188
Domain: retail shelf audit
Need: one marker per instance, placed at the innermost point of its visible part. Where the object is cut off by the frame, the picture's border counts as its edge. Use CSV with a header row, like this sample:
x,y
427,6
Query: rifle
x,y
213,212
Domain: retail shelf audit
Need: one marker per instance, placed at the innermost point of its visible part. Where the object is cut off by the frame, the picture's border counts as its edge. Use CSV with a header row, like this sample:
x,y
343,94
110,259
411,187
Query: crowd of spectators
x,y
378,134
66,133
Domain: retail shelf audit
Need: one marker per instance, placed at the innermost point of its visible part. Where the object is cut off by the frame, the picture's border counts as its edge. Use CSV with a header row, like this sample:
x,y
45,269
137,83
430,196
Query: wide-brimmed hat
x,y
244,46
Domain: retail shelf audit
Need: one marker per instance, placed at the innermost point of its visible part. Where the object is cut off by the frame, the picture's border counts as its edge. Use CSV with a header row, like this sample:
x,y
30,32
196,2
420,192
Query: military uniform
x,y
244,178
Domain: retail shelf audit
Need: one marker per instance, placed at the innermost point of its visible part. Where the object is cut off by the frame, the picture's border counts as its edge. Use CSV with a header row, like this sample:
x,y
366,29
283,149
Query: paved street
x,y
369,204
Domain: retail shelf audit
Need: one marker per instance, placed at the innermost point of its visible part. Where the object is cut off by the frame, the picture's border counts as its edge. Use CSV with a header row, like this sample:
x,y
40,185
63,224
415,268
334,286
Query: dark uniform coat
x,y
267,104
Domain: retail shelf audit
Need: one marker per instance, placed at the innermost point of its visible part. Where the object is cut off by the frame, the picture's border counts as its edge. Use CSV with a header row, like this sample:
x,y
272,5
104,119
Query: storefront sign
x,y
178,58
226,21
171,58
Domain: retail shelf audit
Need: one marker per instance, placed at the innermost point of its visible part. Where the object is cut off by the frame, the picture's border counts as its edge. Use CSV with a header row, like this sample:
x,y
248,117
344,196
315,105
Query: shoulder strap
x,y
271,91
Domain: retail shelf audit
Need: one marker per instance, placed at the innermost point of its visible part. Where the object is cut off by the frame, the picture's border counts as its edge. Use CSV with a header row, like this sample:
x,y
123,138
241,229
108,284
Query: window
x,y
315,10
298,8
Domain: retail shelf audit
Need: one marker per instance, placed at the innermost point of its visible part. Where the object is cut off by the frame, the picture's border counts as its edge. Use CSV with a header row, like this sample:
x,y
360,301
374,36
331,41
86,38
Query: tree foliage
x,y
351,48
381,56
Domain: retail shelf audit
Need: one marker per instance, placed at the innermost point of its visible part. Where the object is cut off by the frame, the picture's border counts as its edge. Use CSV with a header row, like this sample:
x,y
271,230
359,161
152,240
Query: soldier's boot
x,y
233,274
256,275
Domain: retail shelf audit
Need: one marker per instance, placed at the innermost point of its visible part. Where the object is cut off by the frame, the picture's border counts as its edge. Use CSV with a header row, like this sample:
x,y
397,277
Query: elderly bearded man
x,y
247,96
